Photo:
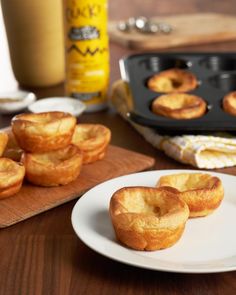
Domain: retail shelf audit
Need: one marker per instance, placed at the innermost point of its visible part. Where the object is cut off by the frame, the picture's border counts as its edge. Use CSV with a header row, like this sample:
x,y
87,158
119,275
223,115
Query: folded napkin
x,y
201,151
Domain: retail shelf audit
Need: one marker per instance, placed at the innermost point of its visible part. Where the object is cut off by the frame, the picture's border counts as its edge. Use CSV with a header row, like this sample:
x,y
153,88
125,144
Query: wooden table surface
x,y
42,255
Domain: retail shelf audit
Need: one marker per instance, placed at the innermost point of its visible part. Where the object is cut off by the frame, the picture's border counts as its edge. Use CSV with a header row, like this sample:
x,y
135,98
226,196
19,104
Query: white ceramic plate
x,y
208,244
62,104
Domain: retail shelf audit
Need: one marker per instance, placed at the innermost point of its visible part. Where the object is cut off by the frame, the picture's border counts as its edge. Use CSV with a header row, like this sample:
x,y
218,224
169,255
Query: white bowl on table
x,y
15,101
62,104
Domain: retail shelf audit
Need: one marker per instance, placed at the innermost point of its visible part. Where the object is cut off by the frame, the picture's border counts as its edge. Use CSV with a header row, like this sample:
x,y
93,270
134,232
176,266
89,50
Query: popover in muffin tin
x,y
209,76
229,103
179,106
173,80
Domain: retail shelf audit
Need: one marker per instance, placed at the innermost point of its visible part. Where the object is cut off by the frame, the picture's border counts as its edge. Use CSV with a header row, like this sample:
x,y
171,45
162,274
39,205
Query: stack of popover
x,y
11,172
49,148
152,218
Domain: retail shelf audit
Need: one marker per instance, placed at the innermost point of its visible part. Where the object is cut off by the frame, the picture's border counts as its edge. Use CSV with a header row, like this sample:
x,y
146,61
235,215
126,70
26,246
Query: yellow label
x,y
87,52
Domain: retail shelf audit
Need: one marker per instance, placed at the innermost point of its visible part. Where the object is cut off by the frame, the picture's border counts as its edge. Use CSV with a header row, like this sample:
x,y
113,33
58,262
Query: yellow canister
x,y
87,52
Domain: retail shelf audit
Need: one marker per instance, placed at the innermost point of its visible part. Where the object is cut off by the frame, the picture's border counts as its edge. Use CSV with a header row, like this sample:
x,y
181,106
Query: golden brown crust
x,y
147,218
3,142
179,106
93,156
203,193
12,150
43,131
53,168
172,80
11,177
229,103
92,140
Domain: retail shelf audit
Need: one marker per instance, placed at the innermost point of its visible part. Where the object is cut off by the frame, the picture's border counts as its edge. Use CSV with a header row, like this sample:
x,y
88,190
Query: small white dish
x,y
15,101
208,244
62,104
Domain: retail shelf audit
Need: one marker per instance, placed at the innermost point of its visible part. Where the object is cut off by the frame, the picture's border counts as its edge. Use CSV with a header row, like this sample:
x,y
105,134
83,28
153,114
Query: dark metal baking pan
x,y
216,74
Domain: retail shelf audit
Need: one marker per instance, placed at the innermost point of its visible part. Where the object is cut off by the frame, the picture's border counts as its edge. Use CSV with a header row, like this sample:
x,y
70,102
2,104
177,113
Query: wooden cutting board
x,y
32,200
189,29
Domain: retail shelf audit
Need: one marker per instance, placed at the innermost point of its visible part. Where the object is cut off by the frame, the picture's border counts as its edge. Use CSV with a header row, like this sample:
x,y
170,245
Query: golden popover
x,y
229,103
92,140
3,142
43,131
173,80
93,156
147,218
202,192
12,150
179,106
11,177
53,168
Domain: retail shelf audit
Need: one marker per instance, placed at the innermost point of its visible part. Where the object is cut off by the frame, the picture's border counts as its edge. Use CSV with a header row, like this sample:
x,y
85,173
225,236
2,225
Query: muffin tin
x,y
216,74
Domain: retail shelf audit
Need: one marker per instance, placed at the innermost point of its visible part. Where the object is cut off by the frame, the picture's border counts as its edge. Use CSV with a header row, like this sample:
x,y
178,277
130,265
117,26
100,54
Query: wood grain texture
x,y
32,200
189,29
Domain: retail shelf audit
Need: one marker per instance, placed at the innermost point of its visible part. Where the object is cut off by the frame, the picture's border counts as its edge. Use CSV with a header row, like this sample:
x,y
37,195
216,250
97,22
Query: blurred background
x,y
118,10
